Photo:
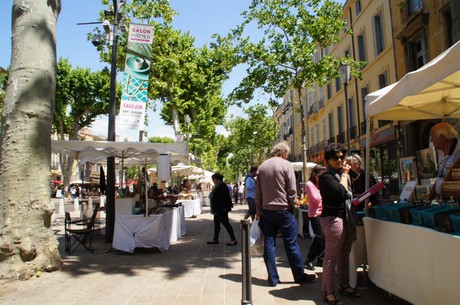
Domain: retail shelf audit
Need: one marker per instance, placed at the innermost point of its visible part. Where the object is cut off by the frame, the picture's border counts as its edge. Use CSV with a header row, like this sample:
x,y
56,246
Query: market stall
x,y
133,153
415,263
154,231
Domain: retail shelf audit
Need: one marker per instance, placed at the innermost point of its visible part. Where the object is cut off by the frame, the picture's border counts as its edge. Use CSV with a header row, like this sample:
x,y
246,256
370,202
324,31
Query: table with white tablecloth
x,y
154,231
415,263
191,207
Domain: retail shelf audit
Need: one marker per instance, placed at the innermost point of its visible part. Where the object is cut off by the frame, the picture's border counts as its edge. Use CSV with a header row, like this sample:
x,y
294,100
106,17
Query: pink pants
x,y
337,251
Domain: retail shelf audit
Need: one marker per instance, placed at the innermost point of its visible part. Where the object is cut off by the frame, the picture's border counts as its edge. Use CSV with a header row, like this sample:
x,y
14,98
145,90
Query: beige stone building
x,y
393,37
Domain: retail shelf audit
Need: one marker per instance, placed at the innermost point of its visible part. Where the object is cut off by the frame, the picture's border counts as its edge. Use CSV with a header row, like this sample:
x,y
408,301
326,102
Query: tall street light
x,y
344,71
110,194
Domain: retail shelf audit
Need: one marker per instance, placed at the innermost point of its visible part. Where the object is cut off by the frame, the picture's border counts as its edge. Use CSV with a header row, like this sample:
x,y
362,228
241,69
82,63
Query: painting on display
x,y
426,163
408,169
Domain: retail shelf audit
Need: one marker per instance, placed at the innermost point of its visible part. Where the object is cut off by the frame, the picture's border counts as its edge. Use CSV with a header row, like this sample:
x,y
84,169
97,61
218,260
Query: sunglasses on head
x,y
337,158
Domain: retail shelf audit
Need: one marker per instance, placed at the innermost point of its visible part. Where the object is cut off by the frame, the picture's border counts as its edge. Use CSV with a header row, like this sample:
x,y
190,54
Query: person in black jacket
x,y
221,204
337,219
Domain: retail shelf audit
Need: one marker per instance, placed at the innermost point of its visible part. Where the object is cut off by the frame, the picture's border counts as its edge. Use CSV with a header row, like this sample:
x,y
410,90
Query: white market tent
x,y
431,92
140,153
298,166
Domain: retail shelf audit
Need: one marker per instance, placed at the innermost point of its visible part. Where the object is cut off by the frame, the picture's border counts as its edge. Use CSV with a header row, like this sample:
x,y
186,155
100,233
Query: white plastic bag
x,y
256,239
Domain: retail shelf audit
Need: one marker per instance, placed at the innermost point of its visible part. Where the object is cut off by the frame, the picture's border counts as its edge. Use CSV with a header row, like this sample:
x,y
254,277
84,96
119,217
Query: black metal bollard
x,y
246,263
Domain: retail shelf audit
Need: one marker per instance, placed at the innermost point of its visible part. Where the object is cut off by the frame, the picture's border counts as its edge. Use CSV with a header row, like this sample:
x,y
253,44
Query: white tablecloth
x,y
417,264
357,255
191,207
154,231
300,223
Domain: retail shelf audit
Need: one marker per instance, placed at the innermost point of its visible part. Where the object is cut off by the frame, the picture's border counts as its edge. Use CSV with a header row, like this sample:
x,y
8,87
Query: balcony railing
x,y
353,132
321,103
363,127
341,137
313,109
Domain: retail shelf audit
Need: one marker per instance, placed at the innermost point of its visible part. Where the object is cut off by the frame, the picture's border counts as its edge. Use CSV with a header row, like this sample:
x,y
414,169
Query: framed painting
x,y
426,163
408,169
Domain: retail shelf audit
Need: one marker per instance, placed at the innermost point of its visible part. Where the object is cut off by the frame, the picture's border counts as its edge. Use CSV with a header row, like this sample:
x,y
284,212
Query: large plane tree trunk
x,y
27,243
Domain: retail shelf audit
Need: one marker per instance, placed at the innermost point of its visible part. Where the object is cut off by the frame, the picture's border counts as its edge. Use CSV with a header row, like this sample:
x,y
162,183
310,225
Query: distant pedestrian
x,y
221,204
250,185
235,193
241,193
315,207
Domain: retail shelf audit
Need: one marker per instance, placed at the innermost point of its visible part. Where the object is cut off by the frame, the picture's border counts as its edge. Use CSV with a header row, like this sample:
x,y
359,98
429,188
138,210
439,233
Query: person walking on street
x,y
241,193
315,208
276,195
250,184
337,222
221,204
235,193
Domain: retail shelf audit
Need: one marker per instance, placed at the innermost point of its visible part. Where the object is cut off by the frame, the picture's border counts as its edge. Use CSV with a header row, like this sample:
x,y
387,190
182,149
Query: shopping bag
x,y
256,239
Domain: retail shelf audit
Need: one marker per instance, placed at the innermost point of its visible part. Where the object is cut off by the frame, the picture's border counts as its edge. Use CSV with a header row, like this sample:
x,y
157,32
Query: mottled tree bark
x,y
27,243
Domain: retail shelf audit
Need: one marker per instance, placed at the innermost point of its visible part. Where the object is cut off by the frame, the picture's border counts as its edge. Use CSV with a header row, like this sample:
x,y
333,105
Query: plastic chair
x,y
82,236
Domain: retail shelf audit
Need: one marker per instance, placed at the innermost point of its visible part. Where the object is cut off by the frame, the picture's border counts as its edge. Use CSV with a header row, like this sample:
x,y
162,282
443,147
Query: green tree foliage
x,y
81,96
161,140
3,83
184,79
251,138
286,57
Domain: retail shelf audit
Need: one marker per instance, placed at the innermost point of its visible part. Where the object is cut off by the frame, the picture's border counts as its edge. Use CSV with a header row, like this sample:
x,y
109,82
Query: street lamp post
x,y
344,71
110,193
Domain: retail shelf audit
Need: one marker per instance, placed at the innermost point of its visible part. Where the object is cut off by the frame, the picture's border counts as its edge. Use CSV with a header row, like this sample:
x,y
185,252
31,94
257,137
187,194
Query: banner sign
x,y
134,96
140,33
136,77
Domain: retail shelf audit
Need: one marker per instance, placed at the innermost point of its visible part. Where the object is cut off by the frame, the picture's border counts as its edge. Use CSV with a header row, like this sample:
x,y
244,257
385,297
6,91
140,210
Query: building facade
x,y
392,37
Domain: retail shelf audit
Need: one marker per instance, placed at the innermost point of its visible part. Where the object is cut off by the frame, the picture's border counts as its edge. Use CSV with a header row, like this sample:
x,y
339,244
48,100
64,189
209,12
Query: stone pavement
x,y
190,273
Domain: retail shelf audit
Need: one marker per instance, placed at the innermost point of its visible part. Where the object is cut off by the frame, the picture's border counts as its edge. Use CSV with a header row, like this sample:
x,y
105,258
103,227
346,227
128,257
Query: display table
x,y
417,264
300,223
124,206
357,255
192,208
154,231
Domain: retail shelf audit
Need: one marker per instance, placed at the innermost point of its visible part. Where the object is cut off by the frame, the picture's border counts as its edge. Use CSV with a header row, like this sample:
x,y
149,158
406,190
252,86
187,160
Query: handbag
x,y
256,239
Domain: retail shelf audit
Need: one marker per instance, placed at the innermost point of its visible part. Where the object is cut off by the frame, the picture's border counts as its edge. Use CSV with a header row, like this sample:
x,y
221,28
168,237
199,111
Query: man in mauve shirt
x,y
276,194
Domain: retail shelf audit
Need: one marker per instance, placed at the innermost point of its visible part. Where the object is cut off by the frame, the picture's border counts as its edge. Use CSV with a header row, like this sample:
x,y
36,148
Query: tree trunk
x,y
27,243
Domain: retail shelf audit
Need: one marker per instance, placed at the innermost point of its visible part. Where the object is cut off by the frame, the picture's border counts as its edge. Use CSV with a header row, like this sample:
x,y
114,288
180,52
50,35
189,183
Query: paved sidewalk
x,y
190,273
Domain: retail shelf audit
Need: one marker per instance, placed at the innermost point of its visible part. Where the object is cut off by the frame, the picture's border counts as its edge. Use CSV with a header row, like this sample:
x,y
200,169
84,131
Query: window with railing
x,y
351,109
340,119
379,44
364,92
361,47
330,118
358,7
413,6
323,123
417,50
383,80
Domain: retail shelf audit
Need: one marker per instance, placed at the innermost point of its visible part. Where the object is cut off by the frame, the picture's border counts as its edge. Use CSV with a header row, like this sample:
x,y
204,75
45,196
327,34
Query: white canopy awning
x,y
431,92
298,166
132,152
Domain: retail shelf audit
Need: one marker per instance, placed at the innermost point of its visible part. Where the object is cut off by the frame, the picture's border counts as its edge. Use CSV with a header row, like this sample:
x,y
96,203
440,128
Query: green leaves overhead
x,y
286,56
81,96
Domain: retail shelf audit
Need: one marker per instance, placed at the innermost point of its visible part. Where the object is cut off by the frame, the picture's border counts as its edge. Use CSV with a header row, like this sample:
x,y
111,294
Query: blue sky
x,y
201,18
